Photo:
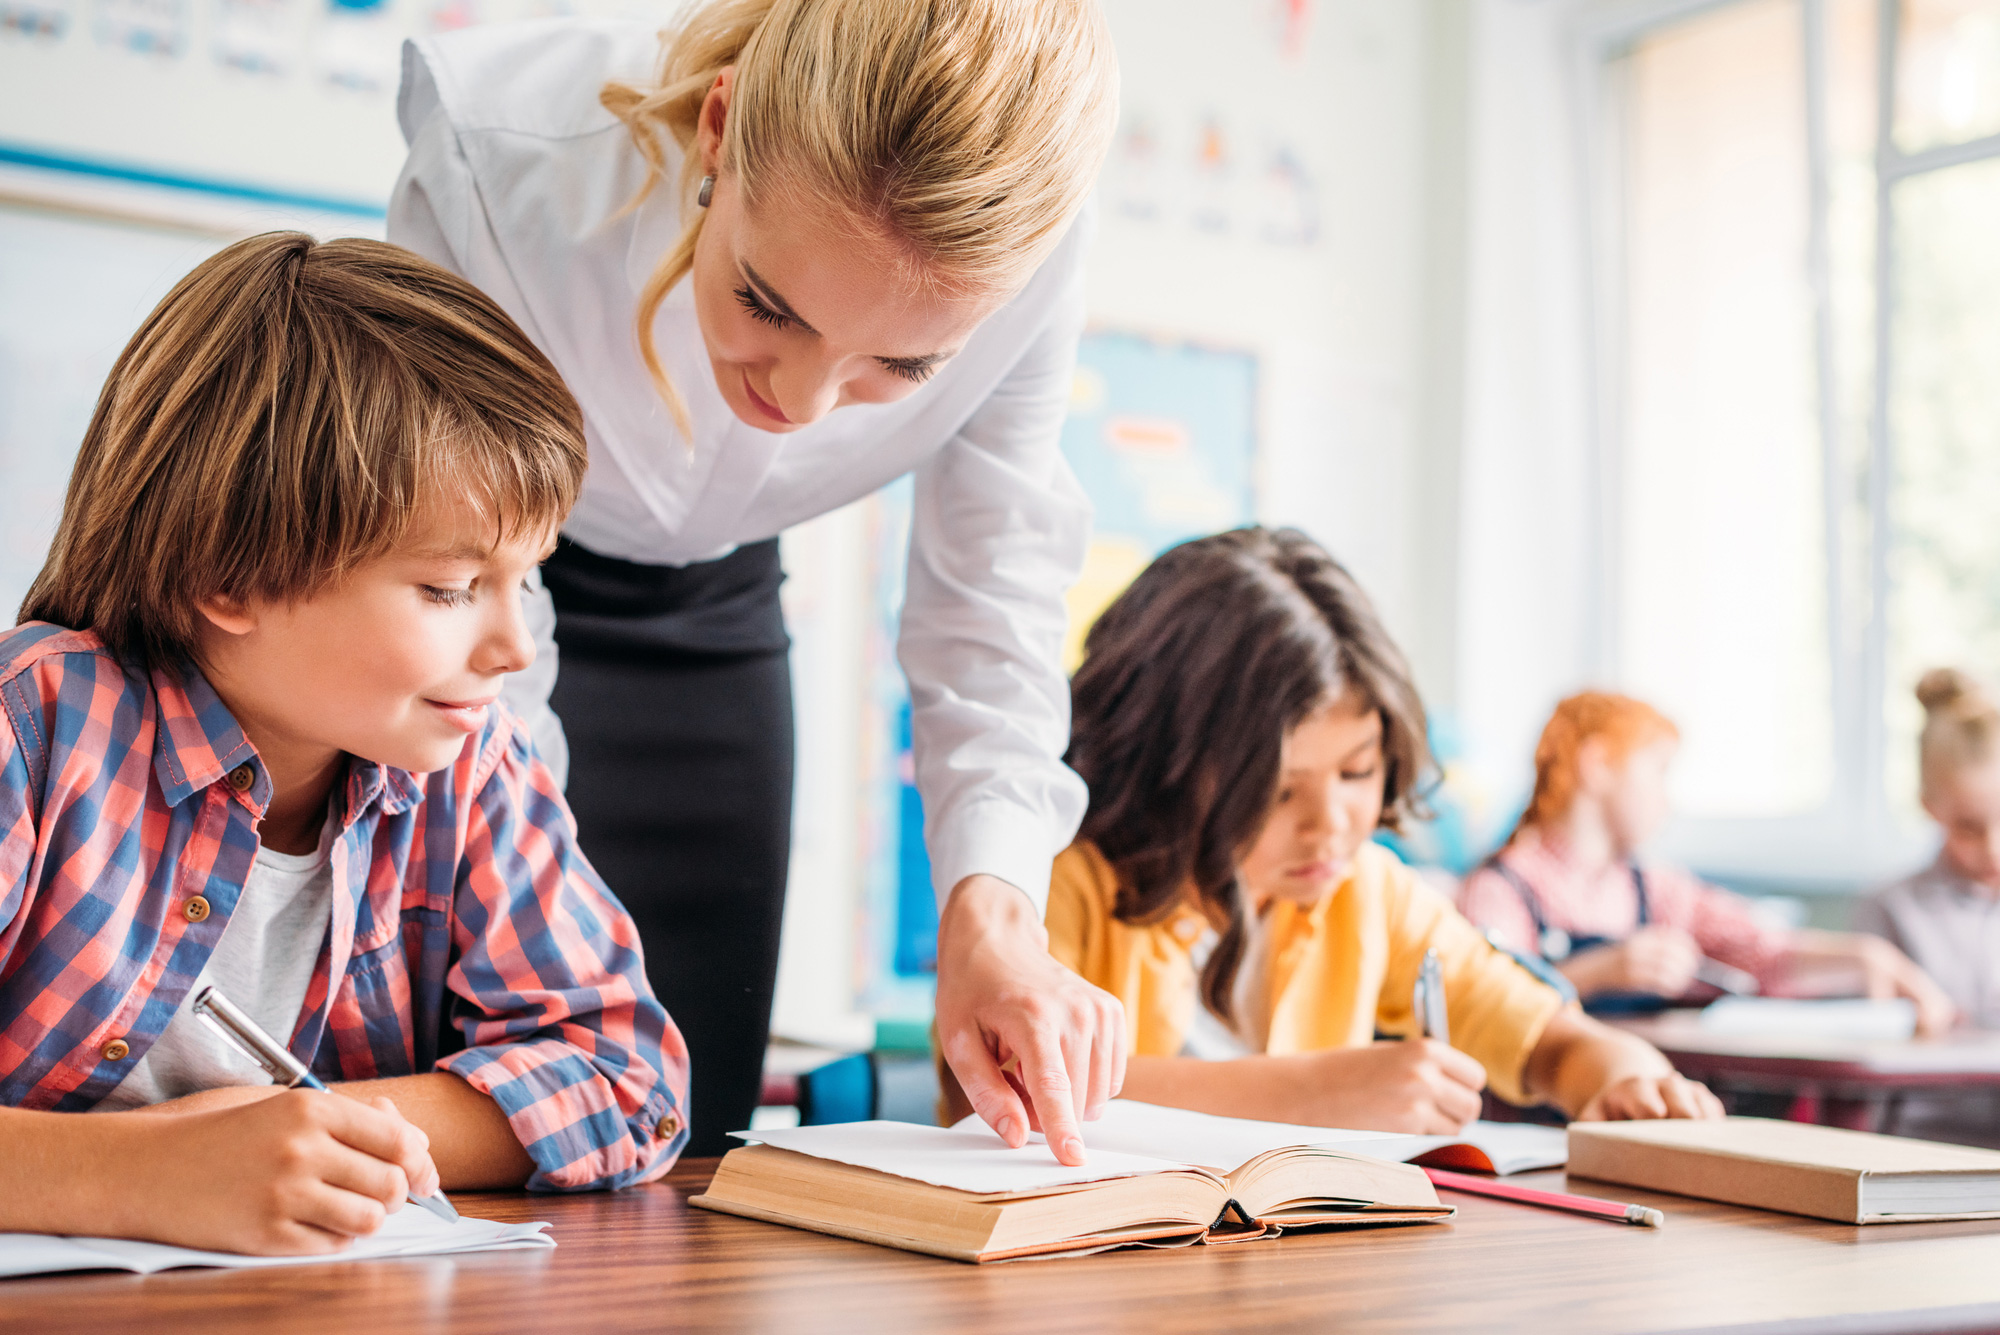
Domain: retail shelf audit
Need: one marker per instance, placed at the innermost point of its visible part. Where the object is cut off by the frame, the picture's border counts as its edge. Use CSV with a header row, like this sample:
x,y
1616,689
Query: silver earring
x,y
707,191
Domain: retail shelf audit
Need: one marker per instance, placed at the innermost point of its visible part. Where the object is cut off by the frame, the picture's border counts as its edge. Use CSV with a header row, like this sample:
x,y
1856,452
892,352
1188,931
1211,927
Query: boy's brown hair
x,y
1190,682
279,419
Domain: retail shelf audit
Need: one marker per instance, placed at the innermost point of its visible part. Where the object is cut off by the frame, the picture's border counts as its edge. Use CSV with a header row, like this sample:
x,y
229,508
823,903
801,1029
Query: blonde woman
x,y
784,253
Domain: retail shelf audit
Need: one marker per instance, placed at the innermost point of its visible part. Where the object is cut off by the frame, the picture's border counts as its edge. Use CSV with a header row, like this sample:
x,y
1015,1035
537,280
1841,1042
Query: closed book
x,y
961,1193
1853,1177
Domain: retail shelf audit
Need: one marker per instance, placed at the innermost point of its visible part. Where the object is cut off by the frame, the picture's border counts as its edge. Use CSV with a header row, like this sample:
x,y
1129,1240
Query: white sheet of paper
x,y
1224,1143
1890,1018
970,1158
40,1254
408,1232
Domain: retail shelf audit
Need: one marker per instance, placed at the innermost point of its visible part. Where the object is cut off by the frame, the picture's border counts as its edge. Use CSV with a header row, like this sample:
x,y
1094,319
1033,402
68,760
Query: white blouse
x,y
520,180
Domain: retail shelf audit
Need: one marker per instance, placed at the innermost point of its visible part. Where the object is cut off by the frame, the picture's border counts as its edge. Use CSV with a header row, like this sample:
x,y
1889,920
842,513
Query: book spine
x,y
1823,1193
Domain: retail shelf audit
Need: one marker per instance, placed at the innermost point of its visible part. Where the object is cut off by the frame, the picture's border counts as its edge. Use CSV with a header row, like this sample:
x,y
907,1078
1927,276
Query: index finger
x,y
1045,1075
379,1132
1680,1097
1461,1067
985,1087
1648,1097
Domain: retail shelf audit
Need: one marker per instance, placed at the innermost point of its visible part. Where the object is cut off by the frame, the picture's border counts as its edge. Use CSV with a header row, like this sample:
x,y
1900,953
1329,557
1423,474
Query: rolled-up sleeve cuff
x,y
560,1107
993,839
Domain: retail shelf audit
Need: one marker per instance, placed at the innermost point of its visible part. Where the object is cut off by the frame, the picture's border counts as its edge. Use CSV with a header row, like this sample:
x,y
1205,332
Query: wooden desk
x,y
1843,1082
645,1260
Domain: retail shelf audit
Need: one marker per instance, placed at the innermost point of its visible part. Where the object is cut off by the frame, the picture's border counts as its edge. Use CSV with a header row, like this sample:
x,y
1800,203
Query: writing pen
x,y
244,1034
1428,1002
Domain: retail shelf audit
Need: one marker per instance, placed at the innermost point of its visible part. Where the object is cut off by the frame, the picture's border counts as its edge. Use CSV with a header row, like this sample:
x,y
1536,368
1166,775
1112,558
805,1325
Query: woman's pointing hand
x,y
1034,1046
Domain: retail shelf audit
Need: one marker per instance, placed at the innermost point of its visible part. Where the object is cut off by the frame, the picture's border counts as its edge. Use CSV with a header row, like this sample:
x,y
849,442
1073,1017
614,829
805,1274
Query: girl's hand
x,y
293,1174
1888,972
1418,1085
1658,960
1642,1097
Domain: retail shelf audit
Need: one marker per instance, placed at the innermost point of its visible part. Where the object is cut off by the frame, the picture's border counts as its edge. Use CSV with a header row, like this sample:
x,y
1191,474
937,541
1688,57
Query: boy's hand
x,y
297,1173
1003,998
1419,1086
1642,1097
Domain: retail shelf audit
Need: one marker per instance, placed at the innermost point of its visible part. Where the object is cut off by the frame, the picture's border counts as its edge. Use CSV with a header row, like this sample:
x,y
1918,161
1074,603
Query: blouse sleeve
x,y
998,534
435,211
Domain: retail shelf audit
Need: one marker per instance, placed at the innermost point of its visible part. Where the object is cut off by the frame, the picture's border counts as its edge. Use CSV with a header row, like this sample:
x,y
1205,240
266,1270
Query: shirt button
x,y
196,909
242,777
669,1127
117,1050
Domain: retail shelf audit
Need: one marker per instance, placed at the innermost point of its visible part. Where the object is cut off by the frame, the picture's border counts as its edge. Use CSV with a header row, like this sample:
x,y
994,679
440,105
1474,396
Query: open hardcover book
x,y
1156,1176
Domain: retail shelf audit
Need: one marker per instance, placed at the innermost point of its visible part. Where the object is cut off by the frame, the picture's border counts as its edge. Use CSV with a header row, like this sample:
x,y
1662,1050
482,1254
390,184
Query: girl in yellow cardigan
x,y
1245,725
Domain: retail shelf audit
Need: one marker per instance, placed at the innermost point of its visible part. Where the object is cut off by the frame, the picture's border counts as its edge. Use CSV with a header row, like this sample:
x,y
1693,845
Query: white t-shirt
x,y
264,963
1248,1030
519,180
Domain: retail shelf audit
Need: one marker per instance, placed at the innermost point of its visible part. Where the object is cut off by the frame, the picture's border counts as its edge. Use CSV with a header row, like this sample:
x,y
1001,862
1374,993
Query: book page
x,y
1485,1147
968,1158
411,1231
1183,1137
1226,1143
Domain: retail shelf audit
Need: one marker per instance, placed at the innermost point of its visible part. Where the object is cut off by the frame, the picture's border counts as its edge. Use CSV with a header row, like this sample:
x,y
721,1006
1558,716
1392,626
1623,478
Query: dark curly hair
x,y
1190,682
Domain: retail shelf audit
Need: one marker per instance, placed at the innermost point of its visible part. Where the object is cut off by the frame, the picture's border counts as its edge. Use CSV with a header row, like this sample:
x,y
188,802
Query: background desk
x,y
1855,1083
645,1260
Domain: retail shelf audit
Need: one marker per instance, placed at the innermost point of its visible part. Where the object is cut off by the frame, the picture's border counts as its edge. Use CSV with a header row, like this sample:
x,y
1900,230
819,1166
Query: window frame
x,y
1854,837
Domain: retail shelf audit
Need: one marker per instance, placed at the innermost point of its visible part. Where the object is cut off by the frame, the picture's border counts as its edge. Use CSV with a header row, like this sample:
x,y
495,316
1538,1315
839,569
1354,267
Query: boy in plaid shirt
x,y
251,736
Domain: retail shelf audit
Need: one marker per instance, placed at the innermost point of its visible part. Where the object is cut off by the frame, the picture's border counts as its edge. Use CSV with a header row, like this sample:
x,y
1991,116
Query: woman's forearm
x,y
472,1144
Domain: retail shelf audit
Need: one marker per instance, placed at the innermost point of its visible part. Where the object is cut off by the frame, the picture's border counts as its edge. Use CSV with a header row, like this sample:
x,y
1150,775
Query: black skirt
x,y
675,692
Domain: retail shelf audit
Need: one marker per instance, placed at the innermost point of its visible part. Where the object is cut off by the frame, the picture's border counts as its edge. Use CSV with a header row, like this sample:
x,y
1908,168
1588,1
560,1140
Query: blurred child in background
x,y
1567,885
1947,917
1246,725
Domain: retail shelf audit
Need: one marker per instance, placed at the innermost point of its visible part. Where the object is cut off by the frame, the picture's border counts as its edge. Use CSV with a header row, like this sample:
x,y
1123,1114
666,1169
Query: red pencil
x,y
1643,1215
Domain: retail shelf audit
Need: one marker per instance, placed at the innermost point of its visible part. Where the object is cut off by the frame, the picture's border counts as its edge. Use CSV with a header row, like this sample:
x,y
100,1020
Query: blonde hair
x,y
1961,725
1623,725
279,418
969,130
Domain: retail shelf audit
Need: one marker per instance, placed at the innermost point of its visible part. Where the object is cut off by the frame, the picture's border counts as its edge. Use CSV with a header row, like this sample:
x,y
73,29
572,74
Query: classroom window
x,y
1802,472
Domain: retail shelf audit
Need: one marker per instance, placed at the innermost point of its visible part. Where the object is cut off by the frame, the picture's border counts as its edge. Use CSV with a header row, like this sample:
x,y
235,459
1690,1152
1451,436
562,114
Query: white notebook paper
x,y
408,1232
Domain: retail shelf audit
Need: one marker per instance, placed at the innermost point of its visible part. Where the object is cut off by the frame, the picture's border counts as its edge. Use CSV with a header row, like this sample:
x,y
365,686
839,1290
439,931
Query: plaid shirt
x,y
124,852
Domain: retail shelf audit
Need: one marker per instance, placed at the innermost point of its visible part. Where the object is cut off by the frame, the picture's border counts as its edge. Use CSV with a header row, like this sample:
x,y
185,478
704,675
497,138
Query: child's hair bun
x,y
1947,690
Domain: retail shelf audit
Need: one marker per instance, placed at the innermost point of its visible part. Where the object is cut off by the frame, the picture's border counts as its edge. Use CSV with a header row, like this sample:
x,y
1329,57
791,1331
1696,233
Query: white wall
x,y
1349,323
1525,577
1338,323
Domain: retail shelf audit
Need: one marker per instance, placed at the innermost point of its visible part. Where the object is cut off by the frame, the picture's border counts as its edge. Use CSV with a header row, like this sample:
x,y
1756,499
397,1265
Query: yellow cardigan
x,y
1340,971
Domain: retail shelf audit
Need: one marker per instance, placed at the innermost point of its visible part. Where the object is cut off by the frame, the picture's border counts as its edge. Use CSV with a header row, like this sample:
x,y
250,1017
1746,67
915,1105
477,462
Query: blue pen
x,y
243,1033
